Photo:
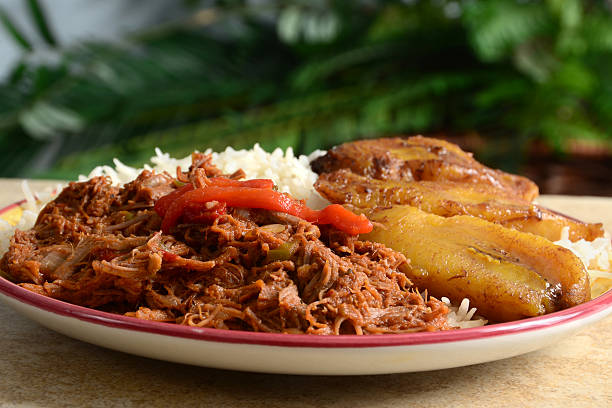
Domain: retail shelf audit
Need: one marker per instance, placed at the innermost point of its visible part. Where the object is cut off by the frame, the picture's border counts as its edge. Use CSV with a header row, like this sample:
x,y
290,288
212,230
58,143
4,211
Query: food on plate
x,y
242,240
208,250
426,196
506,274
420,158
450,198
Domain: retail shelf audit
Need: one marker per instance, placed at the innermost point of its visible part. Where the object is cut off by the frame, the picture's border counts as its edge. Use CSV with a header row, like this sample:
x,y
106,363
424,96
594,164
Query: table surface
x,y
42,368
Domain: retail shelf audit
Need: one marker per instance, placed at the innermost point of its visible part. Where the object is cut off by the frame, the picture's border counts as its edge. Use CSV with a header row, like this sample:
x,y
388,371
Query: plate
x,y
303,354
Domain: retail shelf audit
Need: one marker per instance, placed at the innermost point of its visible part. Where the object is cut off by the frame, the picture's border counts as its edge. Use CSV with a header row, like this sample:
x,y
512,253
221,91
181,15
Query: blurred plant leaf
x,y
41,24
10,27
496,27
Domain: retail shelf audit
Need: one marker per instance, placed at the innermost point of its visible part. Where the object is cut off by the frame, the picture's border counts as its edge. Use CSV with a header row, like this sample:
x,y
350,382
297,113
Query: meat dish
x,y
102,246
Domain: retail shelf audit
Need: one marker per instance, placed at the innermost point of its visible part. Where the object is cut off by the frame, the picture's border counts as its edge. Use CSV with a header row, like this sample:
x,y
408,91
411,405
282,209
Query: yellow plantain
x,y
506,274
447,199
420,158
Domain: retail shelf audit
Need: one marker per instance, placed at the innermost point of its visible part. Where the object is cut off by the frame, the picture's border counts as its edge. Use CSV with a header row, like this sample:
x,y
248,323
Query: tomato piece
x,y
162,203
202,214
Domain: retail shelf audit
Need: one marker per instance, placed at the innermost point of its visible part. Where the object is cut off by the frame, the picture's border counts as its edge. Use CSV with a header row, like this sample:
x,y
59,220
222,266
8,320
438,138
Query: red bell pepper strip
x,y
253,183
248,197
162,204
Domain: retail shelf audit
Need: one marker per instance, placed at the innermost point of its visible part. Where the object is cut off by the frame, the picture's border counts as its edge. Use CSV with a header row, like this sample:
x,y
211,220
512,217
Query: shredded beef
x,y
101,246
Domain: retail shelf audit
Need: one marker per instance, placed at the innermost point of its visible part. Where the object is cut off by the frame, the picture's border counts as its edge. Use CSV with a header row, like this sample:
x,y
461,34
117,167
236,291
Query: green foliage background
x,y
311,74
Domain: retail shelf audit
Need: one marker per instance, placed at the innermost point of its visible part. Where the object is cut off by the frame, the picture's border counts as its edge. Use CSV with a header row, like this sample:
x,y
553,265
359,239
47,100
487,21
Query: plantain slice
x,y
448,198
506,274
420,158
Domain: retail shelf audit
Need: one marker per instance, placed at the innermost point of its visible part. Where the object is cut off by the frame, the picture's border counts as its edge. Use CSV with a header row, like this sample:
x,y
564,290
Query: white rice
x,y
292,175
596,256
463,316
31,207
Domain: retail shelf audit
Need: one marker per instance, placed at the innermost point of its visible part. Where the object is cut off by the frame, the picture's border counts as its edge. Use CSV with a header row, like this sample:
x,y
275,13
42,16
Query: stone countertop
x,y
42,368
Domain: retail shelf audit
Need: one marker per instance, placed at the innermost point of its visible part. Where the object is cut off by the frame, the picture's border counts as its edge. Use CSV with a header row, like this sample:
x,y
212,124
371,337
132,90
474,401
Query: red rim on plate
x,y
300,340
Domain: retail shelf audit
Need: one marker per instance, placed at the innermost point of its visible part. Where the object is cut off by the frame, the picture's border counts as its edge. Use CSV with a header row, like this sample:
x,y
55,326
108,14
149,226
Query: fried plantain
x,y
448,198
506,274
420,158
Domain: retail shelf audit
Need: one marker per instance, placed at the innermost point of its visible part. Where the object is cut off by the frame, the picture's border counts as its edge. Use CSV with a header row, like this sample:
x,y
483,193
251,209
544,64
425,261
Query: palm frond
x,y
11,28
40,19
